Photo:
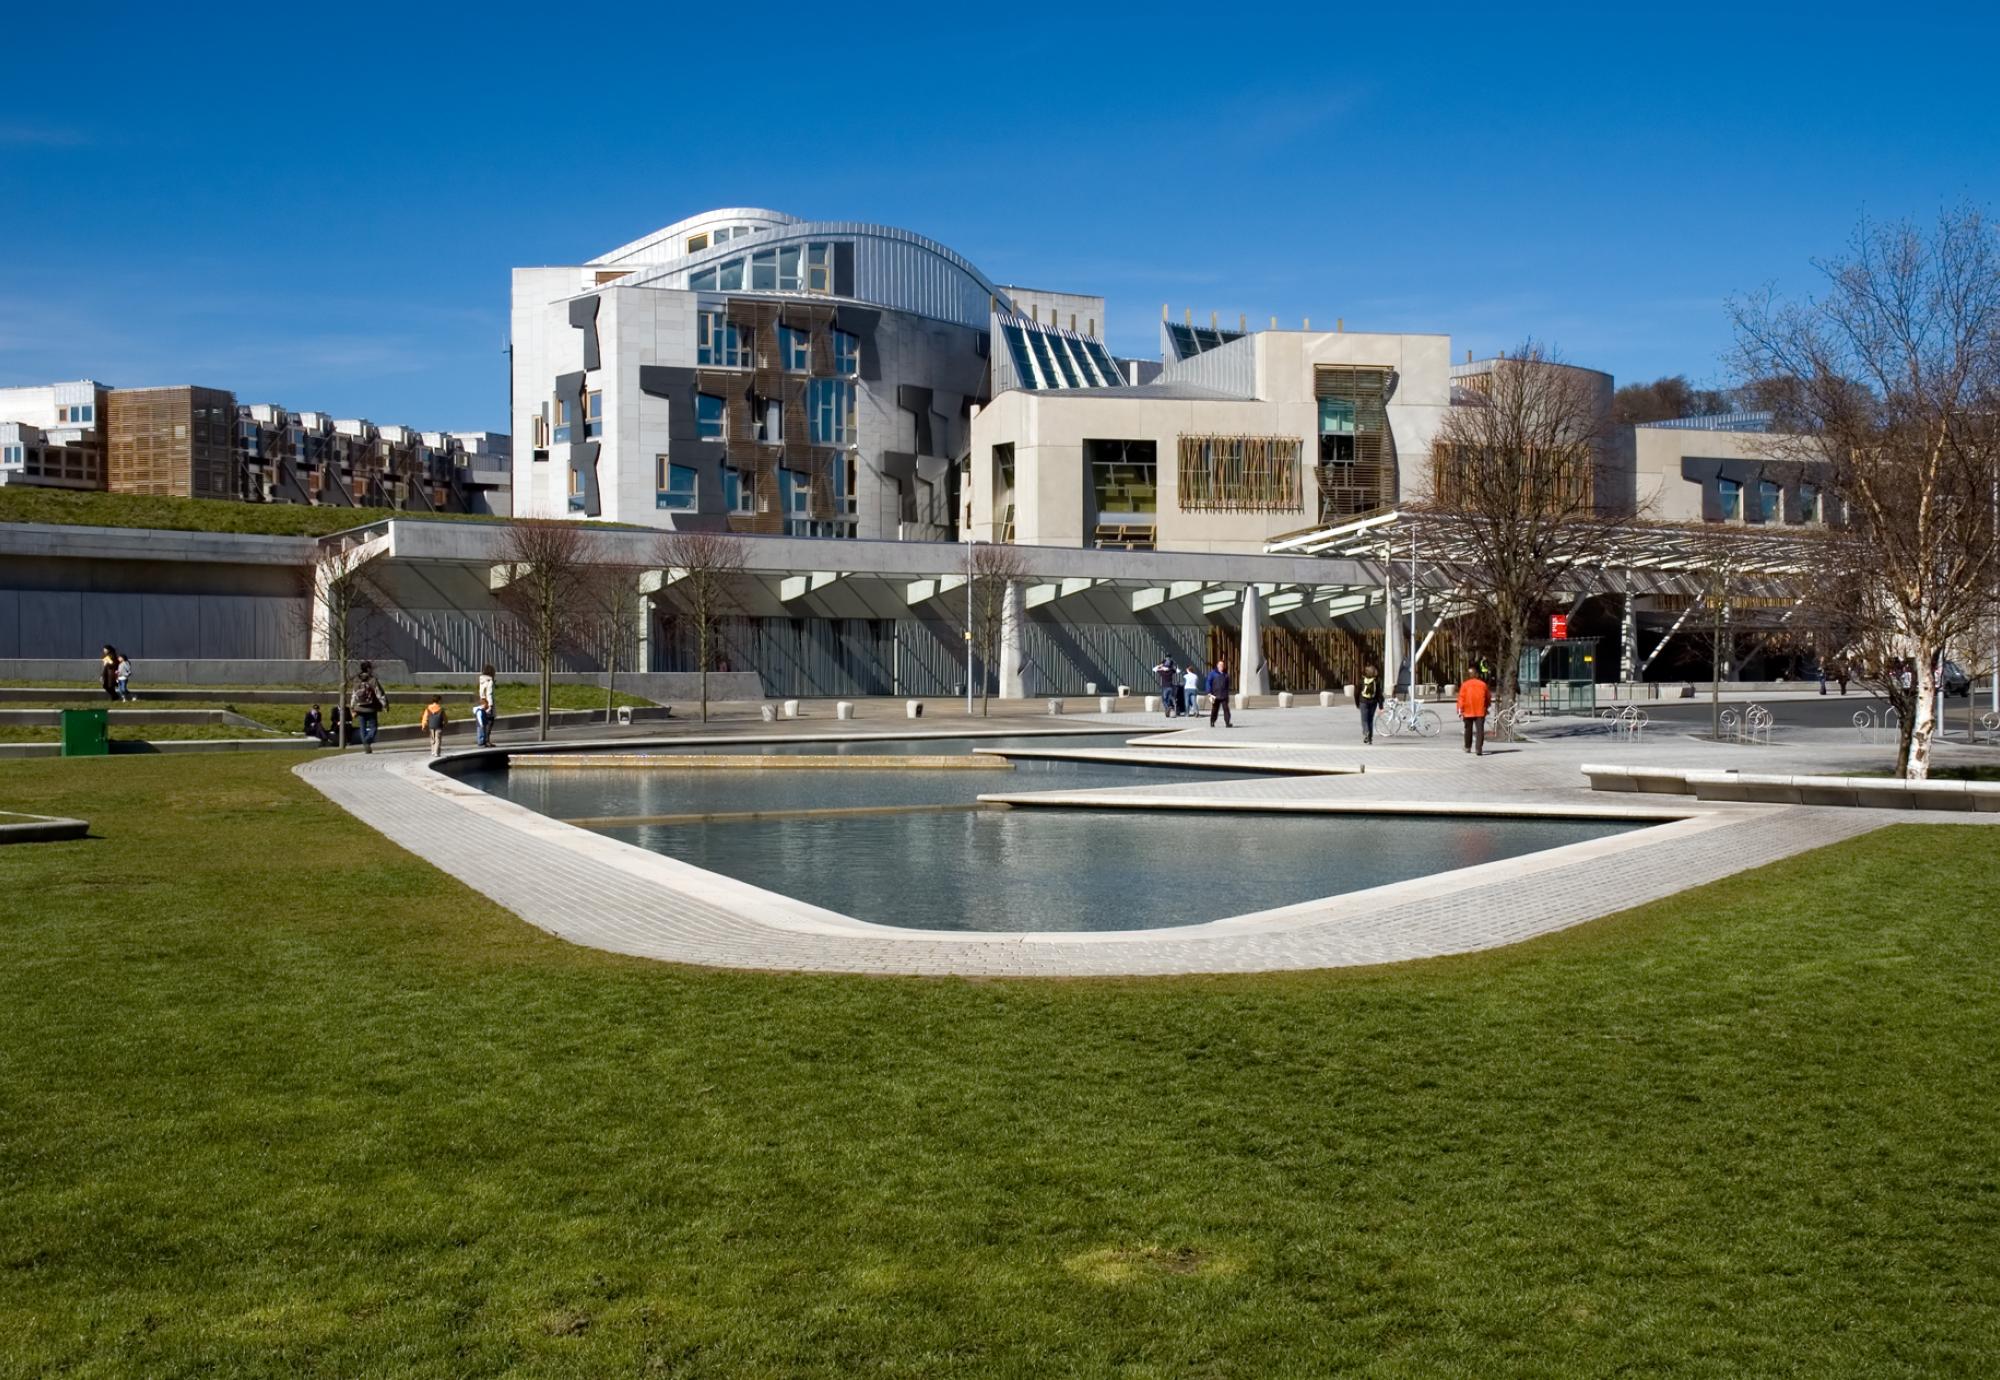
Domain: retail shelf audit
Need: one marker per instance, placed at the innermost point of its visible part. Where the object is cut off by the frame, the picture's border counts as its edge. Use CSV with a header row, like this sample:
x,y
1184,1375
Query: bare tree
x,y
990,569
1515,467
543,578
1895,377
617,606
702,571
336,600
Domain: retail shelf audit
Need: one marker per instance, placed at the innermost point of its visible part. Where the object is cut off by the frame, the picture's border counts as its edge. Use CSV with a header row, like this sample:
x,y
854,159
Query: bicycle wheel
x,y
1391,721
1428,724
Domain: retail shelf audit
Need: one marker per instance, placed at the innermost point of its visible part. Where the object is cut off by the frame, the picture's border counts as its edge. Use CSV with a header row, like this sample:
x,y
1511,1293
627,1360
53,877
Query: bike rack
x,y
1752,725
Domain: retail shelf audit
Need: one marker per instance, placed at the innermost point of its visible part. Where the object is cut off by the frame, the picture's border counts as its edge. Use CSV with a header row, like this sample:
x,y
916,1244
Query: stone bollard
x,y
1152,704
1326,699
913,709
843,709
1055,706
769,712
1104,704
1090,687
1284,699
1124,692
791,710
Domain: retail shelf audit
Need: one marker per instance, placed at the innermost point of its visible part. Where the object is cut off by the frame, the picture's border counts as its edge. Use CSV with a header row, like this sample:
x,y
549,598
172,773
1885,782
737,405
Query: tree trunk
x,y
1508,691
701,657
1923,720
548,654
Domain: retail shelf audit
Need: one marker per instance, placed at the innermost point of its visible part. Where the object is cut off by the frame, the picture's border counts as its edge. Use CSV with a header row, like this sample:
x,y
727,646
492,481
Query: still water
x,y
1014,870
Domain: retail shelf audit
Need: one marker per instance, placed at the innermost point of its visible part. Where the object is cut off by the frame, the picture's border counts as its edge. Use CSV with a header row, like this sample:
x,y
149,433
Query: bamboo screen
x,y
1357,469
1240,474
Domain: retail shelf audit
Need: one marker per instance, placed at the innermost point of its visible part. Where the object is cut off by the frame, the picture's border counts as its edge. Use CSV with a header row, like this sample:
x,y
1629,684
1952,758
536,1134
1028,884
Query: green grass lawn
x,y
276,1098
406,706
22,503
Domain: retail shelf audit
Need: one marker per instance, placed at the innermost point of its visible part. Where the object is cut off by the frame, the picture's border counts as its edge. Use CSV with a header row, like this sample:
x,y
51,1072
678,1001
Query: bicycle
x,y
1398,715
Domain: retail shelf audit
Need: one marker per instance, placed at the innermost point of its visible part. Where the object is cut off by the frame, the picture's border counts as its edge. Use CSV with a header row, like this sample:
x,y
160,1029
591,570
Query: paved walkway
x,y
611,895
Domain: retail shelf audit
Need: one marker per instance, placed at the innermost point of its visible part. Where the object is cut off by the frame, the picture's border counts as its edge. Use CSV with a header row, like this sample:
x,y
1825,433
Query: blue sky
x,y
322,209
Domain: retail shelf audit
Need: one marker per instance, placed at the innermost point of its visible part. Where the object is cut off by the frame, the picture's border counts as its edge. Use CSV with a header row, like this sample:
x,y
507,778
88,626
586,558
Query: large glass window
x,y
678,487
764,271
739,489
769,414
1770,500
703,281
593,414
819,268
721,343
1732,499
1808,503
846,354
830,405
709,417
794,350
1125,475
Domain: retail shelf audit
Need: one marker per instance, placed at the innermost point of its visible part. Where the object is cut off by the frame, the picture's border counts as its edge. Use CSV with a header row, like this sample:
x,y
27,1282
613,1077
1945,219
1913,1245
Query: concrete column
x,y
320,646
1012,685
1252,677
1392,637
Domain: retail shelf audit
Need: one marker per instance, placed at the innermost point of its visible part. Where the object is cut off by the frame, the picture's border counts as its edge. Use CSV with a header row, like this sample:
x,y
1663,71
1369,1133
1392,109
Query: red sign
x,y
1559,626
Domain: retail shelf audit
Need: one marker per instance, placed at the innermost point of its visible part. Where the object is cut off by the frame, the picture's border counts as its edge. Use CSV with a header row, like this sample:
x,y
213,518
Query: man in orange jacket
x,y
1472,697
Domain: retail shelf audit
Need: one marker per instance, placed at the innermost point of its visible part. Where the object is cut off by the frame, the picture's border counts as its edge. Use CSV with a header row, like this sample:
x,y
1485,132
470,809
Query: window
x,y
764,271
541,434
788,268
846,354
709,422
697,243
593,415
76,413
1357,451
575,491
10,455
720,342
830,405
739,489
678,489
703,281
729,276
769,416
562,422
819,268
1770,499
1732,499
1125,476
1808,503
794,350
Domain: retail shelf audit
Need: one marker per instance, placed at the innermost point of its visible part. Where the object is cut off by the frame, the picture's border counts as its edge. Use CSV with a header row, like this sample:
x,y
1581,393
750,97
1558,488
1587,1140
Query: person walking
x,y
1190,689
434,721
122,677
1472,702
367,701
1368,696
107,671
1218,695
1170,682
482,722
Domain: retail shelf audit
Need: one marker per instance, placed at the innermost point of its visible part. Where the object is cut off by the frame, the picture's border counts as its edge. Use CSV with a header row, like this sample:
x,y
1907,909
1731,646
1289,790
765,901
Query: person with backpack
x,y
434,722
1368,696
1218,695
367,701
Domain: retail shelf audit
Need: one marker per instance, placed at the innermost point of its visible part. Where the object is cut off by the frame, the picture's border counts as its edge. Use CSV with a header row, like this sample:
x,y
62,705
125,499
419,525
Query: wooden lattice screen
x,y
1363,480
1240,474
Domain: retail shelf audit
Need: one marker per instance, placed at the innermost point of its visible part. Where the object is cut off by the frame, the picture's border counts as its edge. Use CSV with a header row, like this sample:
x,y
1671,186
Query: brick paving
x,y
600,892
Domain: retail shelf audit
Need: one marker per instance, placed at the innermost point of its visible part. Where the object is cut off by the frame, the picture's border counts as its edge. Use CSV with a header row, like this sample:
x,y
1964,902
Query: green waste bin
x,y
86,732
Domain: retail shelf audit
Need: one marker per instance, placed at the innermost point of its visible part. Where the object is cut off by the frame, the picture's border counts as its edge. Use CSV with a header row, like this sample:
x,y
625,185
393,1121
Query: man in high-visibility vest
x,y
1472,701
